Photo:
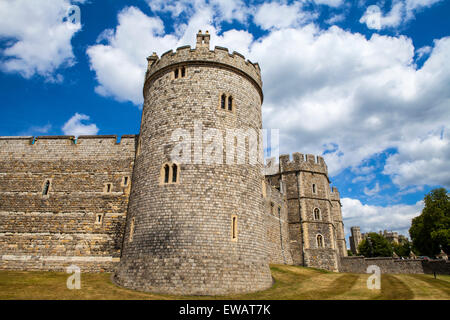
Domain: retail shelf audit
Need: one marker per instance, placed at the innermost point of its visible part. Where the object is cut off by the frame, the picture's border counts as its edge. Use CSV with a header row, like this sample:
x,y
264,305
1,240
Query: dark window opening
x,y
46,188
314,188
222,101
319,241
166,173
316,214
230,103
183,72
176,73
234,234
125,181
108,187
174,173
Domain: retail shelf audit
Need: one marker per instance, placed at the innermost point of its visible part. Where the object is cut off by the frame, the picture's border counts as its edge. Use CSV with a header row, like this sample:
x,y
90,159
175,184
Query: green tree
x,y
432,228
402,249
349,253
377,246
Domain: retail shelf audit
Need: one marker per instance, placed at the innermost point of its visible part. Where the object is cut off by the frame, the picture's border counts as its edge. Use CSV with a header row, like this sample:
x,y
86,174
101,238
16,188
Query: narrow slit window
x,y
234,228
125,181
131,230
183,72
176,73
108,187
222,101
230,103
174,173
99,219
314,188
319,241
166,173
46,188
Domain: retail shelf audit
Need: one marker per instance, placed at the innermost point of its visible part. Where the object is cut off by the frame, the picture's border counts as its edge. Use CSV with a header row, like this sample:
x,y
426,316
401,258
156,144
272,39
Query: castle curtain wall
x,y
56,208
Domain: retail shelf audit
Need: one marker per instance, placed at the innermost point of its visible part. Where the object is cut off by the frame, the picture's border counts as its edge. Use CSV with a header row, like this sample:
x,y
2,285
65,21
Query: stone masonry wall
x,y
182,232
78,222
394,266
278,243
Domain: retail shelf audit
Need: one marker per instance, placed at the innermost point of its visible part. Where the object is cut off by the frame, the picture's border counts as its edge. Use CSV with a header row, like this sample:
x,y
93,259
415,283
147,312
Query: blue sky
x,y
366,84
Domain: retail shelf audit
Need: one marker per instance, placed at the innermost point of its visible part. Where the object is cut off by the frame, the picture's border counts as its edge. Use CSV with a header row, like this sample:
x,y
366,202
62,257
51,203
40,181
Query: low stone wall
x,y
58,263
391,265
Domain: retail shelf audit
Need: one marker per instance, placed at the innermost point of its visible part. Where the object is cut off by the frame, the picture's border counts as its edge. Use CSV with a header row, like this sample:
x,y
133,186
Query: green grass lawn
x,y
291,283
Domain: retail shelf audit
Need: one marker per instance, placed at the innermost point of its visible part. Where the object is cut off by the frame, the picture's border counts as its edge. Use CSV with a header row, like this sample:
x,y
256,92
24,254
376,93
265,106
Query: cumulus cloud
x,y
375,19
322,87
374,218
401,11
276,15
41,48
75,126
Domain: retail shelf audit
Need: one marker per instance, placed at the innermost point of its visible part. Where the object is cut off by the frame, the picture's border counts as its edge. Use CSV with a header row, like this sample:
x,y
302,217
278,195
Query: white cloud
x,y
274,15
331,3
336,18
36,130
402,11
422,161
40,42
374,218
373,191
322,87
374,18
75,127
224,10
120,64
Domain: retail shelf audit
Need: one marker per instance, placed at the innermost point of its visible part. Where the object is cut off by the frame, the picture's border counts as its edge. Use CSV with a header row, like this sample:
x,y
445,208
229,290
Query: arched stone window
x,y
319,239
317,214
174,172
230,103
179,73
166,173
170,173
226,102
223,99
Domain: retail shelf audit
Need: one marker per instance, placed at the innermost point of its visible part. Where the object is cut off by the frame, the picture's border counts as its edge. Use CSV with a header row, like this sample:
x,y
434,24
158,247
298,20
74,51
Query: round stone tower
x,y
195,221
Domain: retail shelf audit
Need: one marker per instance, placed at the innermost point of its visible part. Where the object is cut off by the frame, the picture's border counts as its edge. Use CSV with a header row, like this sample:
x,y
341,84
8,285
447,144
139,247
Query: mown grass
x,y
291,283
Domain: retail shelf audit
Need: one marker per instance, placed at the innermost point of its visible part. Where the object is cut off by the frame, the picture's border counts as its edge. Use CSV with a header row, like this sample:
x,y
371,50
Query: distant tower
x,y
196,227
355,239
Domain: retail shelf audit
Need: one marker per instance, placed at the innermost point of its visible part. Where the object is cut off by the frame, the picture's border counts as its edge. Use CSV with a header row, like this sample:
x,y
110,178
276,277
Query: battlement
x,y
334,194
300,162
303,162
69,146
202,55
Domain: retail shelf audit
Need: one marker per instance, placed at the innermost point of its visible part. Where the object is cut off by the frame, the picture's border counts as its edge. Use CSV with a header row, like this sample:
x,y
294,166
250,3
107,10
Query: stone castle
x,y
160,225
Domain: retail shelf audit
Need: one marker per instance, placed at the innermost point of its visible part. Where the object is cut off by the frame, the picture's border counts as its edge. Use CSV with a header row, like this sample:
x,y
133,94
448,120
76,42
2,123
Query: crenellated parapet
x,y
334,194
60,147
202,55
300,162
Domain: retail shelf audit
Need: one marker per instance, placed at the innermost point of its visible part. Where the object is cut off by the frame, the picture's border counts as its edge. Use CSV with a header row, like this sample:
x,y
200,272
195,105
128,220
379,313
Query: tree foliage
x,y
402,249
378,246
432,228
